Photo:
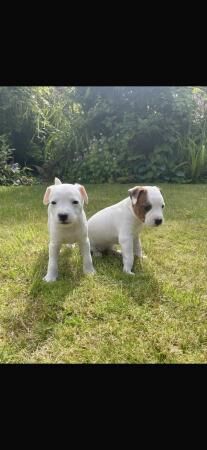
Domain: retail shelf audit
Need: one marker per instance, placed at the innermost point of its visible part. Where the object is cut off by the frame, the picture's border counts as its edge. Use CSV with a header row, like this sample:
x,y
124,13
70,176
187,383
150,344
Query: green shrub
x,y
11,173
196,159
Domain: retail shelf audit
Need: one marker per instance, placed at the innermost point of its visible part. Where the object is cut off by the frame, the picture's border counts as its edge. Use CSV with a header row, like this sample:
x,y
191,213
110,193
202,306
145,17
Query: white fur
x,y
118,224
75,228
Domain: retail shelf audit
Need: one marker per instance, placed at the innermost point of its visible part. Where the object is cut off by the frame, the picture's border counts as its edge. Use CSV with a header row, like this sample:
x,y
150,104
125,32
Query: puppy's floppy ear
x,y
83,192
57,181
46,196
134,193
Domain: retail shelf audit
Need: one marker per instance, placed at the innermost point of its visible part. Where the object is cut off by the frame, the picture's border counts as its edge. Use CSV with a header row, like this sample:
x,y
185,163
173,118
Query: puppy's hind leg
x,y
114,251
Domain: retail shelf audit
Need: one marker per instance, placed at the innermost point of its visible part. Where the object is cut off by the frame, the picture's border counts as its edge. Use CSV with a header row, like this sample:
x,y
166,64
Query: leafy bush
x,y
162,164
97,165
104,134
196,160
11,173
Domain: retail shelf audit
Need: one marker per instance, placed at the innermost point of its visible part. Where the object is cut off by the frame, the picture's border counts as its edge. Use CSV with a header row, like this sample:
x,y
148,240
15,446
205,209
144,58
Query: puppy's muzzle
x,y
158,222
63,218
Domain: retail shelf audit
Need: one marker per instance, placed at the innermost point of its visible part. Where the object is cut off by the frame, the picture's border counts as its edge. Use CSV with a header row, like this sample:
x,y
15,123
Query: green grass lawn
x,y
158,316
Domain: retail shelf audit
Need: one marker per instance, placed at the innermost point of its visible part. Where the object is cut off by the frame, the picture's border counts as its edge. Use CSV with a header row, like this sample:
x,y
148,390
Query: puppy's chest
x,y
68,235
134,229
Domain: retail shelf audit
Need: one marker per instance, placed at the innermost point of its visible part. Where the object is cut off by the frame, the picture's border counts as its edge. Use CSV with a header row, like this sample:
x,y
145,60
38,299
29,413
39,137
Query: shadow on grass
x,y
44,307
143,287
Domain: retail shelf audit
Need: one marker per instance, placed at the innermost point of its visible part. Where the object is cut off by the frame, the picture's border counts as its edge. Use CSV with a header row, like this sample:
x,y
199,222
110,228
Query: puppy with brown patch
x,y
122,223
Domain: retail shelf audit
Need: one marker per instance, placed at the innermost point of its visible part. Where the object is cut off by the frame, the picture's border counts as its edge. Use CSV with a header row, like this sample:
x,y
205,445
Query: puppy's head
x,y
148,204
65,202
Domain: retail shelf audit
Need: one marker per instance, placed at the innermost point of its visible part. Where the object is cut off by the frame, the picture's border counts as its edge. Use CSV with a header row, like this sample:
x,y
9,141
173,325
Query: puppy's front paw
x,y
89,271
128,272
49,278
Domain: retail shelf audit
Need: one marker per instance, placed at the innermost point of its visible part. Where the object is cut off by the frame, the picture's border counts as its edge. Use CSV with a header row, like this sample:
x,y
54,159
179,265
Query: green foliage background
x,y
104,134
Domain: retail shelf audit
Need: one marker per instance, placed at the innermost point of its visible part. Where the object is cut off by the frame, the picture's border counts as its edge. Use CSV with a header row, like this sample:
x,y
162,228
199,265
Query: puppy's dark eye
x,y
53,203
163,206
147,208
75,202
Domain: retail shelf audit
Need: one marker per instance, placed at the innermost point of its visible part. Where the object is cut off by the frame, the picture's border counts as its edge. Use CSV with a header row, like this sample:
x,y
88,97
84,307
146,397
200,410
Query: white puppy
x,y
67,224
121,223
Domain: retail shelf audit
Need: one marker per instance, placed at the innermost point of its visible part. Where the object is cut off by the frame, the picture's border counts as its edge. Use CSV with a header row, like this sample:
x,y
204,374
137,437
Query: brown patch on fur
x,y
141,203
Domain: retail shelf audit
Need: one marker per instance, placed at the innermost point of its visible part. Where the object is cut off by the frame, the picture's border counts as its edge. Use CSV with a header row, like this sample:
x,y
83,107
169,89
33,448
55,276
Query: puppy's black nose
x,y
158,221
63,217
